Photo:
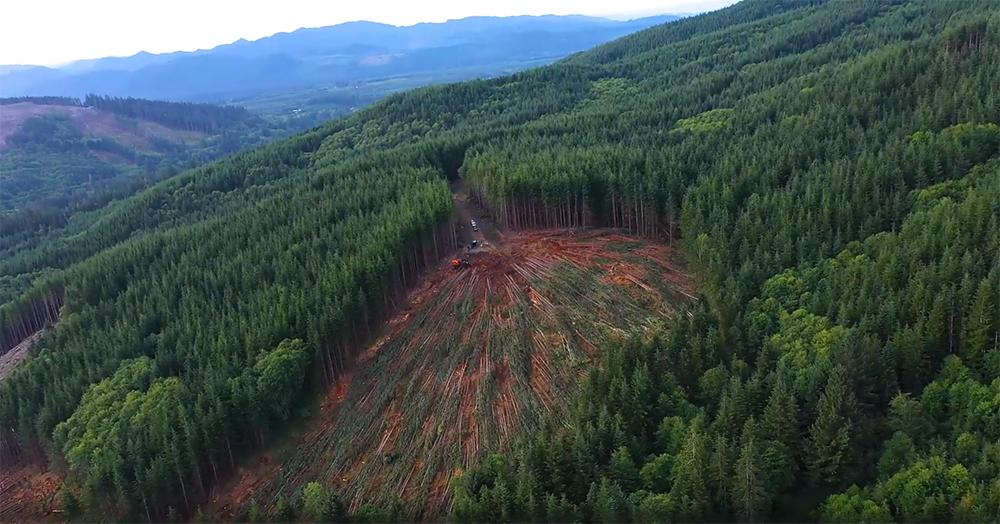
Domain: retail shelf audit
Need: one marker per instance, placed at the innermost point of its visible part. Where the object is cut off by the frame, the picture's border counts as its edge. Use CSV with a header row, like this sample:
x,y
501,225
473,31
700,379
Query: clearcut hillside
x,y
829,168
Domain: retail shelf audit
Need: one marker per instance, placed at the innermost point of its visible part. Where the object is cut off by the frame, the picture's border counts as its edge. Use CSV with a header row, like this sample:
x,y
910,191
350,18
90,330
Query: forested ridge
x,y
61,169
832,169
65,155
207,118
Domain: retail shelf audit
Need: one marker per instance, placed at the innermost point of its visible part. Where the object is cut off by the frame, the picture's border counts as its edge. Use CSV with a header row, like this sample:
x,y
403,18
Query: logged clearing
x,y
95,123
480,355
16,354
28,493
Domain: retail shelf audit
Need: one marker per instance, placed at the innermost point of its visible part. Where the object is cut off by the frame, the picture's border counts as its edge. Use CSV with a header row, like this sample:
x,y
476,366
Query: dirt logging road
x,y
487,233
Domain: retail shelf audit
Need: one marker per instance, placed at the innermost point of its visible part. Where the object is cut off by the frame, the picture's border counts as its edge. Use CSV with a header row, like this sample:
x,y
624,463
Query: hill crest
x,y
310,57
93,123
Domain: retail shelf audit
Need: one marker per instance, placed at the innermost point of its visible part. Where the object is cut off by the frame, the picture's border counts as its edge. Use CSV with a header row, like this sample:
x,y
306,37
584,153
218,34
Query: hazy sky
x,y
51,32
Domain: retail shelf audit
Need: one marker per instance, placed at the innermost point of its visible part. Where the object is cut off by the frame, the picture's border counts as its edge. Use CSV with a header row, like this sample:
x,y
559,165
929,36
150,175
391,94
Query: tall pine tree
x,y
830,452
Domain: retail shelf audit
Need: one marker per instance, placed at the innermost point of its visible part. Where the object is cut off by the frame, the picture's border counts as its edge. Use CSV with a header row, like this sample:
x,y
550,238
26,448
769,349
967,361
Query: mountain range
x,y
741,267
343,54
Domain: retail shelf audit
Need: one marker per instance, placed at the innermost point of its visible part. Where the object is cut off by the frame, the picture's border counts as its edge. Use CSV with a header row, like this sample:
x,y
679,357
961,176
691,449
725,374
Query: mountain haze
x,y
343,54
744,267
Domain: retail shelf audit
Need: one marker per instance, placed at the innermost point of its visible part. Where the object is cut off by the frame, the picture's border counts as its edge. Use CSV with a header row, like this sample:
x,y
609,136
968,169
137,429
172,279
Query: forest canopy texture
x,y
63,155
831,169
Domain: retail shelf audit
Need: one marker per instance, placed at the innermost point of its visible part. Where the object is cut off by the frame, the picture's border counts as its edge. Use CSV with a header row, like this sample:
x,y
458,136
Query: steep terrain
x,y
92,121
59,151
475,358
831,170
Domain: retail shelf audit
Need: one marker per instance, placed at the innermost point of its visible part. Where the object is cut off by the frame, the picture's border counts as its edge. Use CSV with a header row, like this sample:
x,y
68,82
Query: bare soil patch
x,y
476,357
28,493
94,123
16,354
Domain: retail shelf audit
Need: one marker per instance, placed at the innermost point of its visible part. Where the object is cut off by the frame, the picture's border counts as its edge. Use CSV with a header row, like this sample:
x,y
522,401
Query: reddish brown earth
x,y
476,358
17,353
235,489
93,123
28,492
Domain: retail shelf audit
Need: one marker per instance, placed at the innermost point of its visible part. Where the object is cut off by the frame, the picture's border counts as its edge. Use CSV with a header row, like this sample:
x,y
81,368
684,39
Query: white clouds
x,y
56,31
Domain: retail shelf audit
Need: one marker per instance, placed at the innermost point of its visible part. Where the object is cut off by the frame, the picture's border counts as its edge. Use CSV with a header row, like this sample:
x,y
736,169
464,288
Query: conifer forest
x,y
744,266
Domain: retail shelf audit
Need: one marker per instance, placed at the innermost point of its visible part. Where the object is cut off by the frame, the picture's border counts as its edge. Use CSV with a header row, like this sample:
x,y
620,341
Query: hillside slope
x,y
829,167
475,358
57,151
352,53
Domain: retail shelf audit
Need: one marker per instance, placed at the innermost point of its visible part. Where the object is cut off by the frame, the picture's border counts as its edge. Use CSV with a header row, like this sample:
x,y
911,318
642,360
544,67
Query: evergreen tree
x,y
720,474
655,474
836,199
606,502
778,427
830,448
983,323
690,490
622,470
320,504
749,477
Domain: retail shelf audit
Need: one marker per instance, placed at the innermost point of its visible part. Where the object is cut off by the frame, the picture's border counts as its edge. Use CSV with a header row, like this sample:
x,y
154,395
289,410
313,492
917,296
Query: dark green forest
x,y
207,118
176,115
57,162
830,168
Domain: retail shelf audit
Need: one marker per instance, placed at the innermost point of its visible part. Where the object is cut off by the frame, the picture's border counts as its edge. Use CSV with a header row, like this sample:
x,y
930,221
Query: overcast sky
x,y
52,32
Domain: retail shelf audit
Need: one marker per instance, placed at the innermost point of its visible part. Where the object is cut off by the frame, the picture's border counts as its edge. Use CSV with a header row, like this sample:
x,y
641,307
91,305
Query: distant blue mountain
x,y
344,53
